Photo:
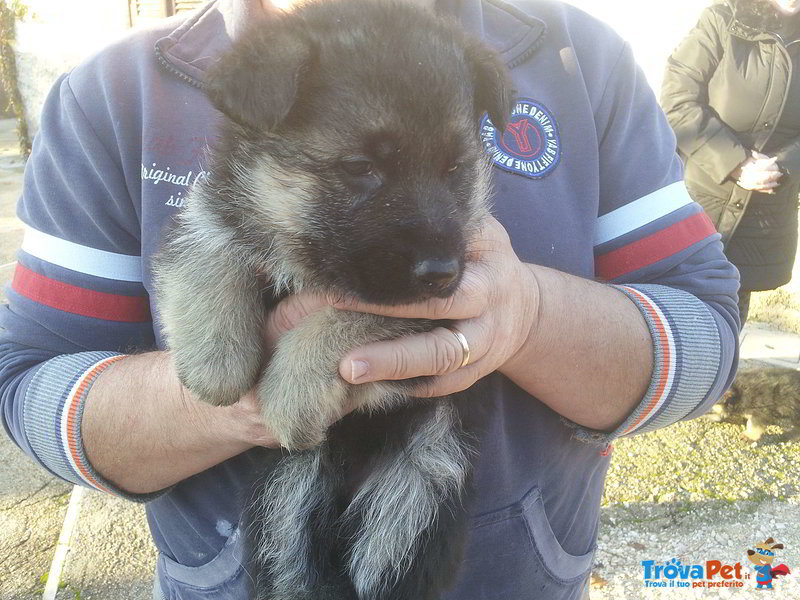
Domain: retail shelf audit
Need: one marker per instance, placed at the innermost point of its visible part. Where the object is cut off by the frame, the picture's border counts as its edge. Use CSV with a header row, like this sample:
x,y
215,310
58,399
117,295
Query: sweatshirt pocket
x,y
513,554
222,578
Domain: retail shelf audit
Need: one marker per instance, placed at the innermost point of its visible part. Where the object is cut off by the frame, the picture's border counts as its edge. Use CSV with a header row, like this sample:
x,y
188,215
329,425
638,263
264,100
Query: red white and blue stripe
x,y
664,368
648,230
90,289
652,233
80,280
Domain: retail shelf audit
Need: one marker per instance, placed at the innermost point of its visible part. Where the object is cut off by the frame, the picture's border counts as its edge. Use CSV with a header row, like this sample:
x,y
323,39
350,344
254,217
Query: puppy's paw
x,y
300,404
216,376
754,430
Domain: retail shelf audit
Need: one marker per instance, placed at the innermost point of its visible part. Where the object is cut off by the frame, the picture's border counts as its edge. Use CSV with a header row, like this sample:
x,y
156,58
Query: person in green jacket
x,y
732,100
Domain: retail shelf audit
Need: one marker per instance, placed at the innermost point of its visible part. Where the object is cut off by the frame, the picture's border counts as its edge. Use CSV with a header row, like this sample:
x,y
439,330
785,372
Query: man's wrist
x,y
247,424
145,432
238,426
530,313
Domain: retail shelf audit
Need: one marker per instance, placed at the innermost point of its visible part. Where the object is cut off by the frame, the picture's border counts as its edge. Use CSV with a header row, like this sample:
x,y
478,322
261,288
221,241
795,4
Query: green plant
x,y
62,585
10,12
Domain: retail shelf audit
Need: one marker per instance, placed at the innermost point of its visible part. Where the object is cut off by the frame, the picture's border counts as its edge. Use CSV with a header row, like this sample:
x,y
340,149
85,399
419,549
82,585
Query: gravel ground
x,y
780,308
32,507
697,491
111,558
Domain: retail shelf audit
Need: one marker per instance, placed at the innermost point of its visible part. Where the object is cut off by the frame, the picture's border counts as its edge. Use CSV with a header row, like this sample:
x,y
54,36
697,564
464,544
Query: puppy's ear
x,y
733,393
492,84
257,81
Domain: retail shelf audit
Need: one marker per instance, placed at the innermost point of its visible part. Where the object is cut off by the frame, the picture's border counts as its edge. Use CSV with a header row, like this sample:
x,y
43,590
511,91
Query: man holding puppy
x,y
587,186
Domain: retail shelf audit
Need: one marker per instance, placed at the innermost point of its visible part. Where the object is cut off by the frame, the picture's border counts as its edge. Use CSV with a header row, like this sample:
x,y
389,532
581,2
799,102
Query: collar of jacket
x,y
740,28
189,50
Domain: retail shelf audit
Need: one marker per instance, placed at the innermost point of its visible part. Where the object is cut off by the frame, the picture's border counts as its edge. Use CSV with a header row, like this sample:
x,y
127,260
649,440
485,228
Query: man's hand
x,y
494,309
288,313
579,346
759,173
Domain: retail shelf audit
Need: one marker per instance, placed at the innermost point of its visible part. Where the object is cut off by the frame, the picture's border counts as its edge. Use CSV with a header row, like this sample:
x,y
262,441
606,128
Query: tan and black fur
x,y
349,163
762,397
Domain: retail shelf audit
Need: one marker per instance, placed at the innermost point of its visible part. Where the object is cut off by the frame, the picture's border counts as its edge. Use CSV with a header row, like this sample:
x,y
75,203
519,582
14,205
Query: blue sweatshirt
x,y
586,180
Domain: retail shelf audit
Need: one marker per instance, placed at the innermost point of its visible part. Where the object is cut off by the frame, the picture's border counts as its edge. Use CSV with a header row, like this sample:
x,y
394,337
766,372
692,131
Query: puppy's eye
x,y
454,167
357,168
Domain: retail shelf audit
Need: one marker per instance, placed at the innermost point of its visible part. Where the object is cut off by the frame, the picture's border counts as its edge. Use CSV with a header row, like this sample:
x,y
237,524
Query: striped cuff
x,y
52,414
686,359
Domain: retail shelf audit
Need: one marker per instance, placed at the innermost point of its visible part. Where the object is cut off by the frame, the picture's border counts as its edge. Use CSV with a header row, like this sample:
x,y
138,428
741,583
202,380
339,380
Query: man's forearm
x,y
589,355
143,431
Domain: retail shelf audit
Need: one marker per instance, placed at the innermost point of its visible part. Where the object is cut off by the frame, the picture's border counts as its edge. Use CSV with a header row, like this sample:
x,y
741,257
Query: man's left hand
x,y
494,307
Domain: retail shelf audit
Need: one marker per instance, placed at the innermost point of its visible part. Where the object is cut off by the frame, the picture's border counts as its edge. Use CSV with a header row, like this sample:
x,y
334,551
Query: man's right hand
x,y
288,313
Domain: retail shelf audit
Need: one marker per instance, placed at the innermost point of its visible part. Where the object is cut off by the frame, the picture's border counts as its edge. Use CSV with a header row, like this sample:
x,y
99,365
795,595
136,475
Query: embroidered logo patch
x,y
529,146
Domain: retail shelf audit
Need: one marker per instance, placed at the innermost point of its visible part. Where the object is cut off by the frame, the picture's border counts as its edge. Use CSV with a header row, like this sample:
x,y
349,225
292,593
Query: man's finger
x,y
757,171
436,353
468,301
289,312
761,181
452,383
764,161
764,189
766,182
765,179
491,237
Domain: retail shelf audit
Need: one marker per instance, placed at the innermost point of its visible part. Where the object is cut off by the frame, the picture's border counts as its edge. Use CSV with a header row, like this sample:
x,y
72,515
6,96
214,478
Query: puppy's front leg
x,y
755,428
210,305
301,392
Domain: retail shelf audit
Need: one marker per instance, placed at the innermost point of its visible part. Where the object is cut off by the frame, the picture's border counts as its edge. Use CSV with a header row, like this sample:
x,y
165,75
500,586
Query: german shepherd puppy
x,y
349,163
762,397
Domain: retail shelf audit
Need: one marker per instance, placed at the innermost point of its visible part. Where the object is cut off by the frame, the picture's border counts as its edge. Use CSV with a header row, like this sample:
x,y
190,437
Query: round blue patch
x,y
529,146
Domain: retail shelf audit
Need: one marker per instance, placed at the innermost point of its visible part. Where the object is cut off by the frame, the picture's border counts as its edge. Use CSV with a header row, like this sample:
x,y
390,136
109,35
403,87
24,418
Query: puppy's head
x,y
353,147
729,407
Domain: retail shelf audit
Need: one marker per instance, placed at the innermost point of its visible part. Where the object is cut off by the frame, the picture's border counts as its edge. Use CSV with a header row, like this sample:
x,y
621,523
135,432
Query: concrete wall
x,y
54,36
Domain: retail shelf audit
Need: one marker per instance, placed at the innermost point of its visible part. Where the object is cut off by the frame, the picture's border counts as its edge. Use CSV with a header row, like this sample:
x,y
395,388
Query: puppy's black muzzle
x,y
437,274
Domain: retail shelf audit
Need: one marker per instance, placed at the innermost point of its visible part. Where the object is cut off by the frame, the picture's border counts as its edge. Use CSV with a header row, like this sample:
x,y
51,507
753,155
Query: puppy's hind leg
x,y
408,519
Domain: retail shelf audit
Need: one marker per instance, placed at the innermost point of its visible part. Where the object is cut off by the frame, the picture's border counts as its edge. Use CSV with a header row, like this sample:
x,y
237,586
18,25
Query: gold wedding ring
x,y
464,345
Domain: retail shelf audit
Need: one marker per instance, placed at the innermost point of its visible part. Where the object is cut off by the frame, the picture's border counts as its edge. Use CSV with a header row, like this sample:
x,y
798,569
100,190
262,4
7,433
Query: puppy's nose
x,y
436,271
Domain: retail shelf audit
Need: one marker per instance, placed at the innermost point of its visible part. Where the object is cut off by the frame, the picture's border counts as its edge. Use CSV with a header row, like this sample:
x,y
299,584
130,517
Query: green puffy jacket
x,y
723,91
